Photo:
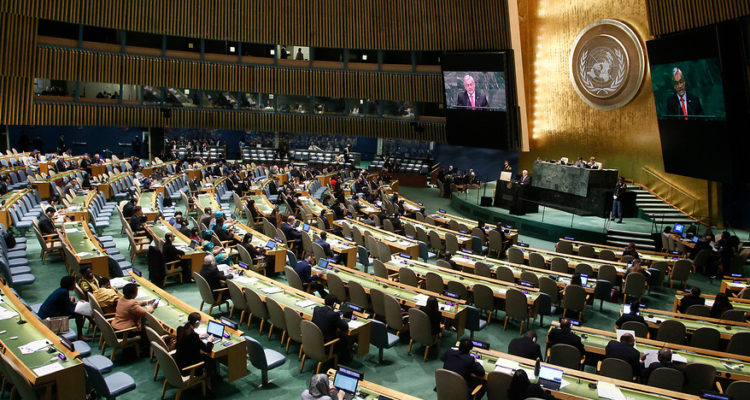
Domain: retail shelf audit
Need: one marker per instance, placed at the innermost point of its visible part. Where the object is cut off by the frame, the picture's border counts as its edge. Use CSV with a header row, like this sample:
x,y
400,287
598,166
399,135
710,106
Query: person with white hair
x,y
682,102
470,98
210,272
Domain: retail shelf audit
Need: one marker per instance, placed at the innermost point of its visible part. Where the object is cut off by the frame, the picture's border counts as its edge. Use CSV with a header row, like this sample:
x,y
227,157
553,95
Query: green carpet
x,y
401,371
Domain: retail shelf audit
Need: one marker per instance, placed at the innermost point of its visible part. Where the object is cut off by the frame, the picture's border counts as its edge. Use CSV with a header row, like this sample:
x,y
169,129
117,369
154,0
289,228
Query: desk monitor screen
x,y
216,329
684,234
346,380
550,378
450,294
480,344
441,211
306,228
67,343
404,255
243,265
323,263
467,251
678,228
137,272
584,279
695,239
271,244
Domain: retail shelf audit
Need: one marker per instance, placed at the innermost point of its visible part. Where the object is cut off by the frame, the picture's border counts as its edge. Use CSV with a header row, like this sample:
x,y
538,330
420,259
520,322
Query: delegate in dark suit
x,y
565,337
625,352
215,278
461,363
480,100
329,322
46,226
525,347
693,105
326,248
290,232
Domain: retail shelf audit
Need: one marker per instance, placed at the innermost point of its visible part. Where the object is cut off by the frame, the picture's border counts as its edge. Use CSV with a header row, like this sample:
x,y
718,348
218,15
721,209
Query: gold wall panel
x,y
363,24
562,125
667,16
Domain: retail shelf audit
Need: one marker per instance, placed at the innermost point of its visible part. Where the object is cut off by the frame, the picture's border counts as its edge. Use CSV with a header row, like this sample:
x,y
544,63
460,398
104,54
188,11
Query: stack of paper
x,y
506,366
354,324
607,390
305,303
118,282
271,290
421,299
83,254
246,280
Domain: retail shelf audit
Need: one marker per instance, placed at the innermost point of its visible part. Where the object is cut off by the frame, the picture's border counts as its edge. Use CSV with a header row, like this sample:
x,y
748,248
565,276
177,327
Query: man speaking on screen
x,y
470,98
682,102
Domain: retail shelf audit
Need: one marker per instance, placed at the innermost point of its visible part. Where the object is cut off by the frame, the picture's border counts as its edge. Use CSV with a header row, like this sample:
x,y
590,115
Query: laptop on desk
x,y
216,329
550,378
347,379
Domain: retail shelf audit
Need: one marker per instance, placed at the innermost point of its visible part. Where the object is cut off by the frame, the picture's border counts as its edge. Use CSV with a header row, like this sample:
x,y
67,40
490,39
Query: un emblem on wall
x,y
607,64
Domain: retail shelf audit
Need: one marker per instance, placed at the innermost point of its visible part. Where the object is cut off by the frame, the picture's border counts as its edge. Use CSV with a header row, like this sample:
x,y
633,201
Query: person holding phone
x,y
190,347
129,312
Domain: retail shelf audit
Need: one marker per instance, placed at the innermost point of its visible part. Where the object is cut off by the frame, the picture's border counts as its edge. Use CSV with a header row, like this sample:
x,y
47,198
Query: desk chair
x,y
699,378
215,298
110,386
263,359
615,368
452,386
277,318
256,306
293,330
566,356
238,300
381,338
174,376
420,331
314,347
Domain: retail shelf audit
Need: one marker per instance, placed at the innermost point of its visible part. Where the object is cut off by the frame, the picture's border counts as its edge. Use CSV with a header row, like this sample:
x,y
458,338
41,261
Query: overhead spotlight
x,y
364,57
231,49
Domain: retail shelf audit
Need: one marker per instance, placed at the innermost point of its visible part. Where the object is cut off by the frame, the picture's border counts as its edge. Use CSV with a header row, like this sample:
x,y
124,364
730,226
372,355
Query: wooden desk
x,y
573,261
104,186
147,171
86,248
398,244
411,206
147,201
162,187
468,261
595,341
372,391
160,228
649,256
578,381
316,207
66,383
43,185
499,288
346,248
726,328
737,303
445,218
197,173
173,312
78,208
463,239
404,294
279,252
292,298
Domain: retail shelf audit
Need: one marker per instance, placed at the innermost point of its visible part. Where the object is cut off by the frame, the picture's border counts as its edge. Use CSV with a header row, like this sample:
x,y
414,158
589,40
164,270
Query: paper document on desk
x,y
271,290
83,254
223,267
246,280
421,299
354,324
34,346
201,330
608,390
118,283
709,303
7,314
48,369
506,366
679,358
652,356
305,303
71,230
